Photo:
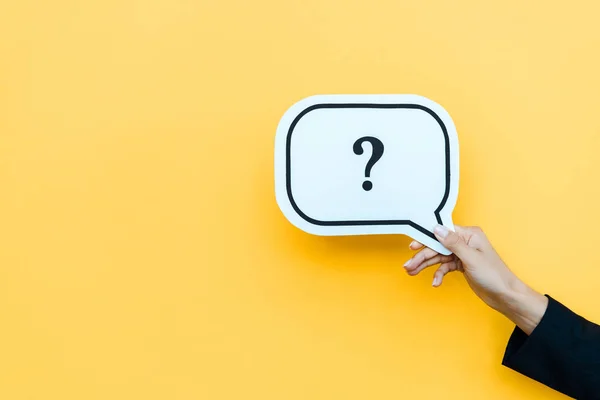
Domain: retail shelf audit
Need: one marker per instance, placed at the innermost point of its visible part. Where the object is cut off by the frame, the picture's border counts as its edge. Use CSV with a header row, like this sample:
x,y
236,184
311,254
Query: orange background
x,y
142,255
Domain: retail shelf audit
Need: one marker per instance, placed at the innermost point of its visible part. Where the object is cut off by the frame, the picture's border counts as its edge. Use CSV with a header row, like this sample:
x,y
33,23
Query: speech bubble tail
x,y
426,225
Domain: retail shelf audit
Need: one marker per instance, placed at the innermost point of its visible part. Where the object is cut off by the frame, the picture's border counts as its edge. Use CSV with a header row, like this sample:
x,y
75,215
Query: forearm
x,y
523,306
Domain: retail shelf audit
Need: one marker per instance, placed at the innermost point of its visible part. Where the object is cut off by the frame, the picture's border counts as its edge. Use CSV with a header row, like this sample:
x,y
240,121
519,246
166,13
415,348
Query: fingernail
x,y
436,281
410,246
441,231
406,264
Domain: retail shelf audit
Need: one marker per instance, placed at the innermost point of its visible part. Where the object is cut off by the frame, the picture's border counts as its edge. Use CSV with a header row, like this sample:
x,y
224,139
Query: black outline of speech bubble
x,y
313,221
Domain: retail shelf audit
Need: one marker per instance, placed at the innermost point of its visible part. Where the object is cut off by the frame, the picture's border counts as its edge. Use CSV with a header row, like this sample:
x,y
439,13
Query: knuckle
x,y
418,260
478,234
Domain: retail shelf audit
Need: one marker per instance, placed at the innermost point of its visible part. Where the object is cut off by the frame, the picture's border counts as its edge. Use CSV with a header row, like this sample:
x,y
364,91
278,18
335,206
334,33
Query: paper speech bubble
x,y
367,164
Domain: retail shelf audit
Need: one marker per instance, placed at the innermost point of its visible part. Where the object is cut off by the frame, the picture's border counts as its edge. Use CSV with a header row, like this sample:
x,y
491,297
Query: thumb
x,y
453,242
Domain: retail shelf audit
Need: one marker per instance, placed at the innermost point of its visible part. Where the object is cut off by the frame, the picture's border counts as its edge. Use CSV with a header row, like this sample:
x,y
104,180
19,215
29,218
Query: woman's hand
x,y
485,272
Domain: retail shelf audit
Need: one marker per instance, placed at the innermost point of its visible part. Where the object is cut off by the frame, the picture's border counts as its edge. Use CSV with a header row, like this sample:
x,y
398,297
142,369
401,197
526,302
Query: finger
x,y
420,257
439,259
459,265
454,242
438,276
462,230
414,245
474,237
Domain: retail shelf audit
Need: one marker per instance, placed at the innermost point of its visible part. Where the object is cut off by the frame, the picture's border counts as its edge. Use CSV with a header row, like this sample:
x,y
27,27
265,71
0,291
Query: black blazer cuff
x,y
543,355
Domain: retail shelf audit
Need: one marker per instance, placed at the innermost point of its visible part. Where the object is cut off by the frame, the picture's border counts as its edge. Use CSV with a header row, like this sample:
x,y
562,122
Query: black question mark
x,y
375,156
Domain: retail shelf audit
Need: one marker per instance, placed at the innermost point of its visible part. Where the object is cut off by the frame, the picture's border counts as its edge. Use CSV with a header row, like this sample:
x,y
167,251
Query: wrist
x,y
523,306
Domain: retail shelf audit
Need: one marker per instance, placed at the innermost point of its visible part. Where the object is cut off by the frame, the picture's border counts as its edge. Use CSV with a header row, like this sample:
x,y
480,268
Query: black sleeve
x,y
562,352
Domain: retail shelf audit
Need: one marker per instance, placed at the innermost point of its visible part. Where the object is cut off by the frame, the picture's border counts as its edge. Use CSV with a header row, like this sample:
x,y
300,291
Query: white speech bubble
x,y
323,186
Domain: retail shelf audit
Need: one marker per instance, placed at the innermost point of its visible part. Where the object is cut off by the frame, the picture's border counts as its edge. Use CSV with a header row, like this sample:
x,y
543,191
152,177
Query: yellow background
x,y
142,254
